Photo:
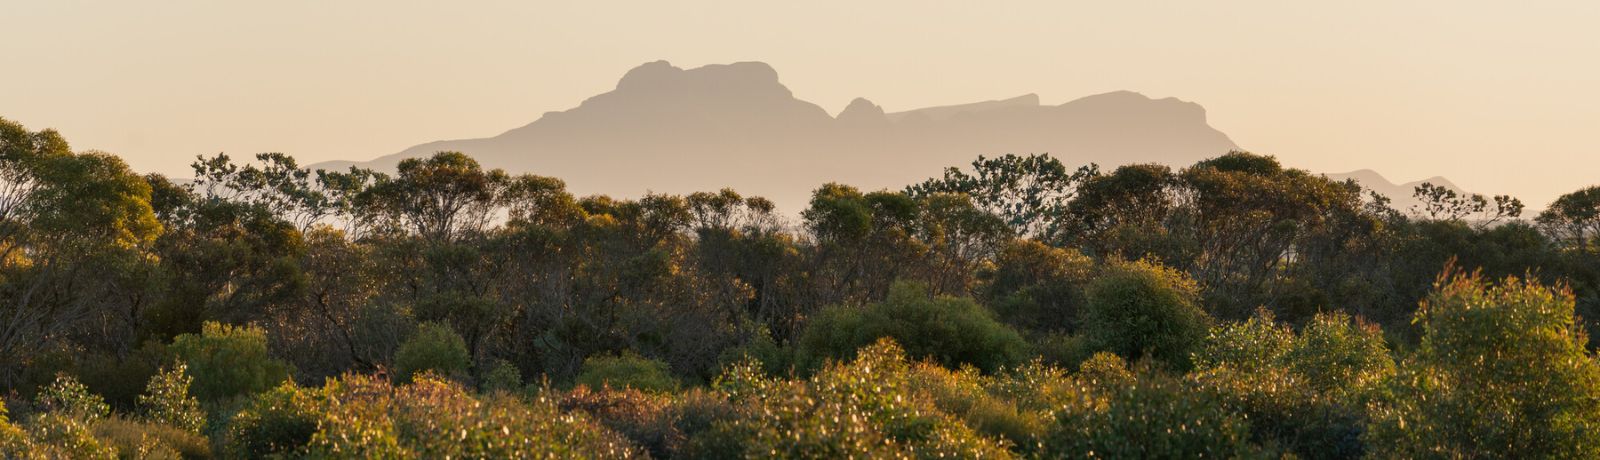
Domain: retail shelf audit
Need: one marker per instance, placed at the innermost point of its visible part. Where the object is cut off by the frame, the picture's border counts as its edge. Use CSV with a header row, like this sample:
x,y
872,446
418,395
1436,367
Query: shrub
x,y
278,421
1141,308
435,418
69,398
626,370
14,442
952,331
1305,392
1340,356
166,400
864,409
1034,286
646,419
148,440
358,416
62,435
1501,368
504,376
227,361
1156,418
433,347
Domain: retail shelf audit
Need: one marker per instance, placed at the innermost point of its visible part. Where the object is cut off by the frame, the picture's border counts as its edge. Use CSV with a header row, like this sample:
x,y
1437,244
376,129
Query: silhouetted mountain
x,y
671,130
1401,194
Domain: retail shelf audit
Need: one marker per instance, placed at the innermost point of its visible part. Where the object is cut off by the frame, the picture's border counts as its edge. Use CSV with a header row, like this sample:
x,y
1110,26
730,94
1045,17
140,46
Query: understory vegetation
x,y
1234,308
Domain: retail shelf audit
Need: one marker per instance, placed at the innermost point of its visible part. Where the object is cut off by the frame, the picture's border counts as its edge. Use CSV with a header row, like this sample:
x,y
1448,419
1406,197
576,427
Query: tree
x,y
1037,287
1501,368
440,199
1574,219
167,400
1139,309
433,348
1030,193
227,361
75,229
1440,203
950,330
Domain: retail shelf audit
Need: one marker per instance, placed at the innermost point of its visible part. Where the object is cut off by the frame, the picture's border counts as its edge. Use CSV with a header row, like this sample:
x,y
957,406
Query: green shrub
x,y
1501,369
952,331
148,440
1036,287
1141,308
278,421
866,408
167,400
626,370
646,419
433,347
1156,418
228,361
1064,350
1304,392
504,376
69,398
1341,356
1255,344
14,442
358,416
62,435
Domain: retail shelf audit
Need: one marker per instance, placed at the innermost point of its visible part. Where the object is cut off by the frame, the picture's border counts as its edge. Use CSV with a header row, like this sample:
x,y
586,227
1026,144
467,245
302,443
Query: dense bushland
x,y
1232,308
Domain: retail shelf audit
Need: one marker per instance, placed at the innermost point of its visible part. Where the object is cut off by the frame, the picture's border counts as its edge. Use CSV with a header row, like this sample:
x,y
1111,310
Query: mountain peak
x,y
662,75
862,110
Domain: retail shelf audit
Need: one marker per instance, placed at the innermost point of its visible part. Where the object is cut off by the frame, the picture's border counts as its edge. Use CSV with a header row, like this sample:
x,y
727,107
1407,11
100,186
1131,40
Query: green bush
x,y
1036,287
358,416
62,435
952,331
67,397
432,347
504,376
14,442
866,408
1501,369
1139,309
1304,392
1157,417
278,421
626,370
228,361
150,440
167,400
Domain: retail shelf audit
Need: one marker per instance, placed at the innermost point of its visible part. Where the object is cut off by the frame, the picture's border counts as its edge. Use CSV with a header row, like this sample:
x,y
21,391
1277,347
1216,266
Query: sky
x,y
1500,97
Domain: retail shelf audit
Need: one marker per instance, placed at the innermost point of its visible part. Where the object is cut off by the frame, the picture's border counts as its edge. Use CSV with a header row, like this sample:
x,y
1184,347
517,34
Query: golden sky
x,y
1501,97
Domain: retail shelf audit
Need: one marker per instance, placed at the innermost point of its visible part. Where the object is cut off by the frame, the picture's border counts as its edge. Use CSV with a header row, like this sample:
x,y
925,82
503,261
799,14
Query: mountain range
x,y
672,130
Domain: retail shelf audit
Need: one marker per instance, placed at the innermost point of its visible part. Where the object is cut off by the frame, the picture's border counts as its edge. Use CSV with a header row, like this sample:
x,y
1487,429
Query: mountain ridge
x,y
668,129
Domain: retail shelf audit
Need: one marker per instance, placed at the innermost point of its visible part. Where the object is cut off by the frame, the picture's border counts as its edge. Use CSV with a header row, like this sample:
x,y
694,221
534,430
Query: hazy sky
x,y
1502,97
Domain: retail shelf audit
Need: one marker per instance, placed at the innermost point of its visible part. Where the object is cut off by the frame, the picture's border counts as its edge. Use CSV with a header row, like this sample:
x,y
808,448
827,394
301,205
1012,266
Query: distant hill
x,y
667,129
1400,194
671,130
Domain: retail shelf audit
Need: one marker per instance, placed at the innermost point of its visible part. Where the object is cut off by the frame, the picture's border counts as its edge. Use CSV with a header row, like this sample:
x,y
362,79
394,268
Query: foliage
x,y
432,347
1501,367
69,398
167,400
150,440
1153,418
1004,286
1141,308
360,416
951,331
227,361
865,408
626,370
